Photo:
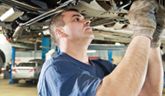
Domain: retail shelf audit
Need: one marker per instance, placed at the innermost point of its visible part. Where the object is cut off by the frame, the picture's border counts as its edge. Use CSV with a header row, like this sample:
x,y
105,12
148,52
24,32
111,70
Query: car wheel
x,y
29,82
1,64
15,80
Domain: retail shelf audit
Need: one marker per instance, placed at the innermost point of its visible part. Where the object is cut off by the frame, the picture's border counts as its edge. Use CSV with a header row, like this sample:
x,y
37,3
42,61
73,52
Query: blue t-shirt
x,y
65,76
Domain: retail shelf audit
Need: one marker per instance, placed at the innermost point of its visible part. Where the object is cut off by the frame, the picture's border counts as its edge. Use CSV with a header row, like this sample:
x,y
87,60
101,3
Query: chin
x,y
89,34
91,37
88,37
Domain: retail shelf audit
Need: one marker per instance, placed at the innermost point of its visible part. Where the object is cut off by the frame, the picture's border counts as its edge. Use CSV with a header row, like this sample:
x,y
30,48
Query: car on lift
x,y
29,19
22,19
28,71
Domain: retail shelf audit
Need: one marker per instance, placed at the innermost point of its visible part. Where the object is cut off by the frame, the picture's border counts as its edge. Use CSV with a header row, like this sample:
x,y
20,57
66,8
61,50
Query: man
x,y
72,74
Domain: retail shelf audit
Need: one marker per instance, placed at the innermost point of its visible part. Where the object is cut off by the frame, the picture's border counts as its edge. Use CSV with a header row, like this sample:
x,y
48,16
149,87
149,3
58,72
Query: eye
x,y
77,19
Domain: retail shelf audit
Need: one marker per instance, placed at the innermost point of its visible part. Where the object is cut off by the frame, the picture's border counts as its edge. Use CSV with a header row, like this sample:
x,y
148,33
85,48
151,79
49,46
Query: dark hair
x,y
57,21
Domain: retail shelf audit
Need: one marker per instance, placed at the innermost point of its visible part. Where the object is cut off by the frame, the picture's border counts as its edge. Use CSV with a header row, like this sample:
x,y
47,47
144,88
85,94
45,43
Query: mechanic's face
x,y
76,27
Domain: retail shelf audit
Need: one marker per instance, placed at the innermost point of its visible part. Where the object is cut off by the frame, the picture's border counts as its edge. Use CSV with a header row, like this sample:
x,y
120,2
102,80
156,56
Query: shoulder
x,y
58,60
61,65
52,68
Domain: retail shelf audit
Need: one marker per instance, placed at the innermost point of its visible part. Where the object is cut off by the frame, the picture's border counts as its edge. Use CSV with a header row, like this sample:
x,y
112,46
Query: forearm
x,y
153,85
128,78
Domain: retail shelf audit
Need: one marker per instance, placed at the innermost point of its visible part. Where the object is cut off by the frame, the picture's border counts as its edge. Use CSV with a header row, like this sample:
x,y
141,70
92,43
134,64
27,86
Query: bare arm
x,y
128,78
153,85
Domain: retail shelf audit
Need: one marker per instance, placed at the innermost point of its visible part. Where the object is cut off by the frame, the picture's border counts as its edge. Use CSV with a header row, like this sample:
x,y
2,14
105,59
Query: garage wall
x,y
117,55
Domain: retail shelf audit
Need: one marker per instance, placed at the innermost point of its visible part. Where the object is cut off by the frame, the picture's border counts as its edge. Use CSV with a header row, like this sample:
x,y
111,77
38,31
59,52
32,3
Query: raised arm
x,y
153,85
128,77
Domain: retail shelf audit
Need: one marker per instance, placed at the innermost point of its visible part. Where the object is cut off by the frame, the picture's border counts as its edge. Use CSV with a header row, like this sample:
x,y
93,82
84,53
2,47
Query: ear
x,y
60,32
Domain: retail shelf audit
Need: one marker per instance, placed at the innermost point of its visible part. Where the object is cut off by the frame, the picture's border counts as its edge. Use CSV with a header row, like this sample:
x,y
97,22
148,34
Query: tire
x,y
2,59
1,64
15,81
29,82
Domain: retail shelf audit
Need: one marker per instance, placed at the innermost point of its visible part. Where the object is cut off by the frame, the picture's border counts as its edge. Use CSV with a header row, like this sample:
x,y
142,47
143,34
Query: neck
x,y
76,50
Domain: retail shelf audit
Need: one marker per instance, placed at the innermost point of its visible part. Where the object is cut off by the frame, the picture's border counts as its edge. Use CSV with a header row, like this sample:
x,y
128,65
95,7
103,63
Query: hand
x,y
142,18
160,18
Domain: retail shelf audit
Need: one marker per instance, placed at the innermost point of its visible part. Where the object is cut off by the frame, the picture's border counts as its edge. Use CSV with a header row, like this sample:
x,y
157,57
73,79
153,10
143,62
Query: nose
x,y
87,22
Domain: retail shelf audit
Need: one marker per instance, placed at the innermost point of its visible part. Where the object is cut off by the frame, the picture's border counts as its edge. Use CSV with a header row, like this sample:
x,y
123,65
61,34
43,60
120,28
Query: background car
x,y
28,71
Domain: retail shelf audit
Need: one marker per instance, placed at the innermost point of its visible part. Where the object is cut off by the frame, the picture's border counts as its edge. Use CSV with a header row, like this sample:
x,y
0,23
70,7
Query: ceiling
x,y
108,26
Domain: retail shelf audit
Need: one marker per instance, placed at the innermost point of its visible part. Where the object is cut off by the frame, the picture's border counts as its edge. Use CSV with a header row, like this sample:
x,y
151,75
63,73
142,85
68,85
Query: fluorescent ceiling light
x,y
91,51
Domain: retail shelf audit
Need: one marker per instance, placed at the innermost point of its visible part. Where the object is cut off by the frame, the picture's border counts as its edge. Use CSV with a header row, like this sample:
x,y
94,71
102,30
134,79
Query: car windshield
x,y
27,64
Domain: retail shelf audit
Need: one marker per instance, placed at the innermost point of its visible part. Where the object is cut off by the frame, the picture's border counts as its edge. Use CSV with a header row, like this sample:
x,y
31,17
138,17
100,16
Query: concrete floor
x,y
21,89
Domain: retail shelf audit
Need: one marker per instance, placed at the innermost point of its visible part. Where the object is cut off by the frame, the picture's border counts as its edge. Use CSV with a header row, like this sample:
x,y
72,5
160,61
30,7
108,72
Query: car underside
x,y
26,21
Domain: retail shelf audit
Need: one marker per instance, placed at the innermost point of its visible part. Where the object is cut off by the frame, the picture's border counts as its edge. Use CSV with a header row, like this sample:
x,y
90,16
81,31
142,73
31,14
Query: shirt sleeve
x,y
47,84
58,83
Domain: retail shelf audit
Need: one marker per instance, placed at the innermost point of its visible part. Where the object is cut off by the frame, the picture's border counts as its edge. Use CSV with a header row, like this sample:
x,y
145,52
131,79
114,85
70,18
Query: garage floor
x,y
21,89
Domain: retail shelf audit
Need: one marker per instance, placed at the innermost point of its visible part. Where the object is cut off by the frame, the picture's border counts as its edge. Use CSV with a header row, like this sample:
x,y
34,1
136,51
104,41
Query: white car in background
x,y
28,71
5,52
